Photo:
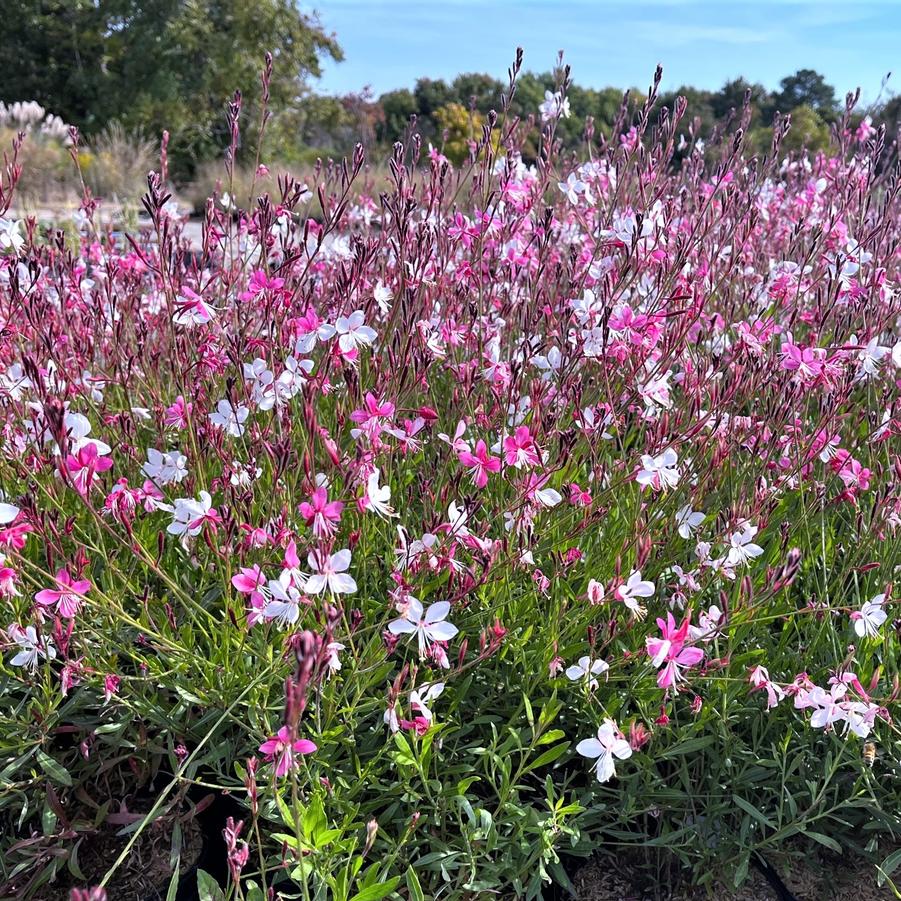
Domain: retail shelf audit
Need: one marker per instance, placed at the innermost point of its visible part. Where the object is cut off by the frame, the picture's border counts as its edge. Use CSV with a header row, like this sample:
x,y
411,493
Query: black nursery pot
x,y
213,857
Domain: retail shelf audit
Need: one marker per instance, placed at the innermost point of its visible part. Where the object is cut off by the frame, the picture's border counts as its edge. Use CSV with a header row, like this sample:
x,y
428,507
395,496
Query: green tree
x,y
397,107
806,88
159,64
54,52
807,130
732,96
456,127
485,90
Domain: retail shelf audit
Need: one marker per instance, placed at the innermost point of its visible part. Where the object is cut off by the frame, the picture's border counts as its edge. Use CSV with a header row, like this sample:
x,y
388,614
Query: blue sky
x,y
390,43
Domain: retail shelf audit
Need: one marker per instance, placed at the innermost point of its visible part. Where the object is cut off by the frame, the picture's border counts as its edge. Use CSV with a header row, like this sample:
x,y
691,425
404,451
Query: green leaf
x,y
53,769
824,840
313,822
891,863
207,887
413,886
374,892
550,737
549,756
172,891
404,753
286,812
688,747
252,892
530,716
750,809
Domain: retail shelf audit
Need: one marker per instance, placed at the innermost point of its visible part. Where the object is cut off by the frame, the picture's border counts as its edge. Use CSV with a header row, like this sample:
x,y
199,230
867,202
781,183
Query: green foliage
x,y
806,88
162,64
457,128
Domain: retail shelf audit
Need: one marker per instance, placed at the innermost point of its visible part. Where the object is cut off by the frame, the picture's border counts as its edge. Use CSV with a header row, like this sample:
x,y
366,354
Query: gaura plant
x,y
458,530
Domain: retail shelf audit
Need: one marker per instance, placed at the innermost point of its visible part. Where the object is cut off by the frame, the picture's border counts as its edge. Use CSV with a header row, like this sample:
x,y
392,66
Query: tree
x,y
397,107
485,90
732,96
159,64
456,128
431,94
54,52
806,88
807,130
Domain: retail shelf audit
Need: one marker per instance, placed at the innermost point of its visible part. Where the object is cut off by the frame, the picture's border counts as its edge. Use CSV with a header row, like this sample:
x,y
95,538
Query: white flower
x,y
829,709
660,472
8,512
243,476
284,603
870,617
550,362
635,587
741,547
230,418
548,497
390,718
11,237
30,647
293,378
896,355
353,332
587,669
708,623
330,571
14,381
608,745
421,697
334,648
555,104
259,377
188,514
382,297
595,592
307,341
687,520
164,469
573,187
377,498
430,625
870,358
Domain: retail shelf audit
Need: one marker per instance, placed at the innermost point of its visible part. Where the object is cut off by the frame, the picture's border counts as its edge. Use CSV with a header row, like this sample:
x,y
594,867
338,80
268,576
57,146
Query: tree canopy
x,y
158,64
174,64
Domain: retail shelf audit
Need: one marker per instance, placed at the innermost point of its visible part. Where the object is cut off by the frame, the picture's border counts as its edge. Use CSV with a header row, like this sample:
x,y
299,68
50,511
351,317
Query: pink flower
x,y
178,413
759,677
282,750
480,464
84,465
67,597
110,686
807,362
520,449
372,417
321,514
670,651
260,282
191,309
250,580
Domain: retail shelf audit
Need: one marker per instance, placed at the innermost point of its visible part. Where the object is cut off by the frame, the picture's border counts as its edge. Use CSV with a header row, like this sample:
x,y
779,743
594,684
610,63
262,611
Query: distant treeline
x,y
150,65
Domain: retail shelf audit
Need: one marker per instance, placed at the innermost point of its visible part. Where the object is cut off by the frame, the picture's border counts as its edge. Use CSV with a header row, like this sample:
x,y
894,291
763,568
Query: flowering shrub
x,y
518,510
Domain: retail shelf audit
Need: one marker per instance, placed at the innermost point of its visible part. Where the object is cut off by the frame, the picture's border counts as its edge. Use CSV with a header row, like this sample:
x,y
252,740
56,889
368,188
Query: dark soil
x,y
145,874
610,878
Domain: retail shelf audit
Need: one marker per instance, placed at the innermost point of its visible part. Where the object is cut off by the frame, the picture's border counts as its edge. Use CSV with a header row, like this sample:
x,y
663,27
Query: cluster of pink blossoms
x,y
613,387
